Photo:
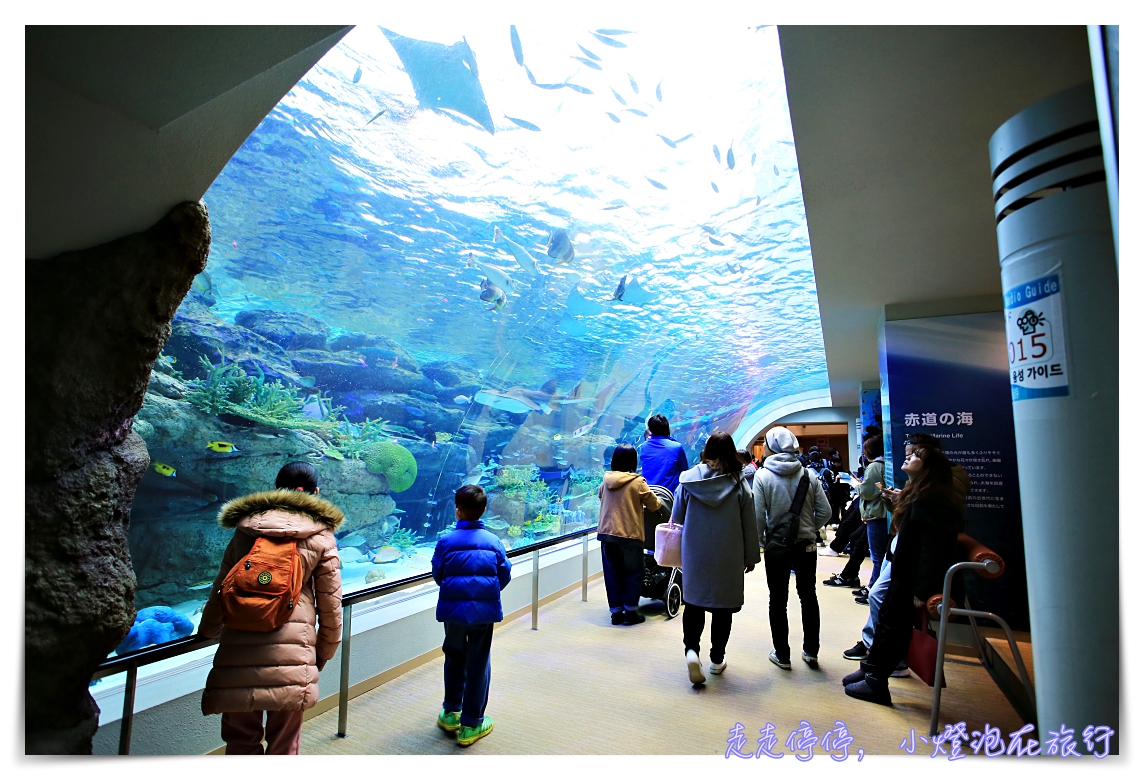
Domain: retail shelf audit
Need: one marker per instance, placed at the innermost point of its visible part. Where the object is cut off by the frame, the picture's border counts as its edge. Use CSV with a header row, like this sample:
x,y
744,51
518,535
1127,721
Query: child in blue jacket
x,y
472,569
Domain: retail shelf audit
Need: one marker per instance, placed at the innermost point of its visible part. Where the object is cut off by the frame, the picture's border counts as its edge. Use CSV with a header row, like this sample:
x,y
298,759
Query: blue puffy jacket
x,y
663,460
472,569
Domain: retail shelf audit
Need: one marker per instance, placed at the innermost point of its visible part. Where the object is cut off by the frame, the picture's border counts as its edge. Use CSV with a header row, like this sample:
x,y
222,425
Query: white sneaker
x,y
718,668
811,660
779,662
829,553
694,668
901,671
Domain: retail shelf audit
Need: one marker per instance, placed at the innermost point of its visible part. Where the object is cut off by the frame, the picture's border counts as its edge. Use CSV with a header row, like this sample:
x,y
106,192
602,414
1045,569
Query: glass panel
x,y
462,253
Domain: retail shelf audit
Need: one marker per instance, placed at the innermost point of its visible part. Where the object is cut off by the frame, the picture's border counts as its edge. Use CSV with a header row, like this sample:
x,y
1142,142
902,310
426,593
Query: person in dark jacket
x,y
663,457
472,569
927,516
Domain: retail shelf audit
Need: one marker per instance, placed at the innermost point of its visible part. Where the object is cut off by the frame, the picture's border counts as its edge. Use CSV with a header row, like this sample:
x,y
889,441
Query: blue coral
x,y
153,626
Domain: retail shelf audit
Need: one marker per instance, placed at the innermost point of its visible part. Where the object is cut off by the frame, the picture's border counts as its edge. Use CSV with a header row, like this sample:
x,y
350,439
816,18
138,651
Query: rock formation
x,y
96,321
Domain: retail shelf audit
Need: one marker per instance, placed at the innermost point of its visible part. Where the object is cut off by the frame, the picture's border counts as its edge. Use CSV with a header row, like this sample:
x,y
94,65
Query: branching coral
x,y
522,482
228,389
403,539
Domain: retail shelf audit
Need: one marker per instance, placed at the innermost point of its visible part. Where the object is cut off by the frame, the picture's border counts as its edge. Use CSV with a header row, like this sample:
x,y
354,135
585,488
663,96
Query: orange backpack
x,y
260,591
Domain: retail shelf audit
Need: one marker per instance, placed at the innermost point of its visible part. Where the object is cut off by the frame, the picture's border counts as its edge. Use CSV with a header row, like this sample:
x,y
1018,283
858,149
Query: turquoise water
x,y
355,296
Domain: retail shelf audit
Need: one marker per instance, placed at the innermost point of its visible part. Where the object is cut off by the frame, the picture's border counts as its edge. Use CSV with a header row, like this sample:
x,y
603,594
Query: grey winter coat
x,y
774,489
719,536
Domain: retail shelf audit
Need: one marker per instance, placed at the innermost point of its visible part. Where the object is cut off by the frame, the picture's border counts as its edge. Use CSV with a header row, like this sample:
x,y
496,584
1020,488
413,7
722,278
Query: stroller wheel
x,y
673,598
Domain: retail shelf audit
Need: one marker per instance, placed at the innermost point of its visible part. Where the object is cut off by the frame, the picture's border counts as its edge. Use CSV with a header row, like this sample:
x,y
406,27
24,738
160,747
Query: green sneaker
x,y
470,734
449,721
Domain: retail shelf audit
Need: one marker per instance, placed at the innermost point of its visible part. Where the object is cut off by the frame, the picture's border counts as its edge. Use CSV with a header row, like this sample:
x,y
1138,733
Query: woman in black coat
x,y
927,518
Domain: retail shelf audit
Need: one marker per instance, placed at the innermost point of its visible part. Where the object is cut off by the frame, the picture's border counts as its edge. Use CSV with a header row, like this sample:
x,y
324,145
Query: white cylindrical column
x,y
1058,270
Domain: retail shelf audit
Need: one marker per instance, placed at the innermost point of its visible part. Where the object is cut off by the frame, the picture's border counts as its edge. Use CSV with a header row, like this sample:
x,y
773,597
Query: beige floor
x,y
579,685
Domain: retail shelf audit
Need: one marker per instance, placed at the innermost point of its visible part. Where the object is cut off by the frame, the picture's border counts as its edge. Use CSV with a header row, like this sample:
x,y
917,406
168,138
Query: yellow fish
x,y
163,469
221,446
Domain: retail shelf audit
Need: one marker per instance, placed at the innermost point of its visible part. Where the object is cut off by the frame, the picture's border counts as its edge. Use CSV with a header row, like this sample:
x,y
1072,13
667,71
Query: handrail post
x,y
584,585
535,586
944,612
128,718
344,683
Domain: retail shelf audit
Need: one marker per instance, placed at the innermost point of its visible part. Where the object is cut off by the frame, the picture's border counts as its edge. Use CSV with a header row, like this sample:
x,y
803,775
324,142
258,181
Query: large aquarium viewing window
x,y
479,252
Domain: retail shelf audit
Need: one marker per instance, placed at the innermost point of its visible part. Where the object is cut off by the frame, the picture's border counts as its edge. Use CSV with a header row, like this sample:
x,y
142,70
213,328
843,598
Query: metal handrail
x,y
946,610
130,662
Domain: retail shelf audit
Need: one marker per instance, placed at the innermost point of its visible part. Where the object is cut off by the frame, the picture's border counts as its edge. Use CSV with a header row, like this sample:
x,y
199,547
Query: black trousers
x,y
804,562
693,619
850,524
468,667
623,564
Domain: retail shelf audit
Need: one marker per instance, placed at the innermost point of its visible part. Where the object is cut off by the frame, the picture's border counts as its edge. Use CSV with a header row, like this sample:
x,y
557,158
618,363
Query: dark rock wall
x,y
96,321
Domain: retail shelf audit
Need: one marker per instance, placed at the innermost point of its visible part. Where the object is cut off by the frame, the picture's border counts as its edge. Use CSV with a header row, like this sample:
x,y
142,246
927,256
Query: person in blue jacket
x,y
663,457
472,569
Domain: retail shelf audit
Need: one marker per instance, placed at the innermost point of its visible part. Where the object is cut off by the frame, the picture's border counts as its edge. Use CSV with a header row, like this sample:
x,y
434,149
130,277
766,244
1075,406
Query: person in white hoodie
x,y
776,485
720,545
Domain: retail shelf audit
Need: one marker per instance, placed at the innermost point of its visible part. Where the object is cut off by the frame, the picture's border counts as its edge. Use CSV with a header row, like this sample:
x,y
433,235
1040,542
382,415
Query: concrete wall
x,y
390,633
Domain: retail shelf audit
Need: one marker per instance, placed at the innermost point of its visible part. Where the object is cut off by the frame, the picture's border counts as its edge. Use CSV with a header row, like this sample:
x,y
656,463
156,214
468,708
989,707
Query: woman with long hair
x,y
720,544
926,519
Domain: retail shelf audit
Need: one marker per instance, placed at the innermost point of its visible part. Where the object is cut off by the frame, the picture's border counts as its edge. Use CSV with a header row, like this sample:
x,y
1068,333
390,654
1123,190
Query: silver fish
x,y
618,295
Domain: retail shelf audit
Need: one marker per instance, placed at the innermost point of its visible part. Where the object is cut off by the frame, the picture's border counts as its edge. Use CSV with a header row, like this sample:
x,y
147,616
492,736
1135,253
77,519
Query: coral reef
x,y
394,461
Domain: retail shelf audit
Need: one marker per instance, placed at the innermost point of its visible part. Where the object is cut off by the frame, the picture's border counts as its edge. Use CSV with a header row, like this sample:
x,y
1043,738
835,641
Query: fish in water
x,y
201,585
357,75
715,149
730,158
614,32
221,446
613,208
315,407
684,138
576,434
425,525
527,72
758,199
308,381
707,230
589,63
589,54
752,158
610,42
490,293
522,123
387,554
612,116
549,86
517,51
715,241
462,400
714,186
620,98
522,255
618,295
776,170
375,116
268,436
635,86
578,88
635,111
163,468
234,244
202,285
560,246
656,184
659,92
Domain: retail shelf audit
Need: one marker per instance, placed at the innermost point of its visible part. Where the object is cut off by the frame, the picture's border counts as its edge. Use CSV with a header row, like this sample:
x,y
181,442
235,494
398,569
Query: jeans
x,y
804,562
243,733
468,668
623,563
879,534
877,592
693,618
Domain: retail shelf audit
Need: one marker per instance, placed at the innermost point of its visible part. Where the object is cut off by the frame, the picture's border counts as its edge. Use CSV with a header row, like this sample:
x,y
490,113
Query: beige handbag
x,y
669,544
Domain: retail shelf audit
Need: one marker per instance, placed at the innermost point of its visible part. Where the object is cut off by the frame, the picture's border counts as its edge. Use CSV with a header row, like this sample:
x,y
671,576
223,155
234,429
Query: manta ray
x,y
445,78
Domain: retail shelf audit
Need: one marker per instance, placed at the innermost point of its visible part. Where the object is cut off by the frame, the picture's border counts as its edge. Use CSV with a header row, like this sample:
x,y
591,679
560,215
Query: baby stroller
x,y
663,583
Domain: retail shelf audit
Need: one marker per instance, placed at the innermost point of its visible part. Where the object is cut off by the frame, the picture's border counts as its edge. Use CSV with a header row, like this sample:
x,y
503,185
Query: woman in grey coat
x,y
720,544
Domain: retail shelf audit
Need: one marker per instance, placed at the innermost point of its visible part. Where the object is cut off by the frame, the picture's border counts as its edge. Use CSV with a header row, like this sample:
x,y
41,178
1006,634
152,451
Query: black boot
x,y
858,675
871,689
